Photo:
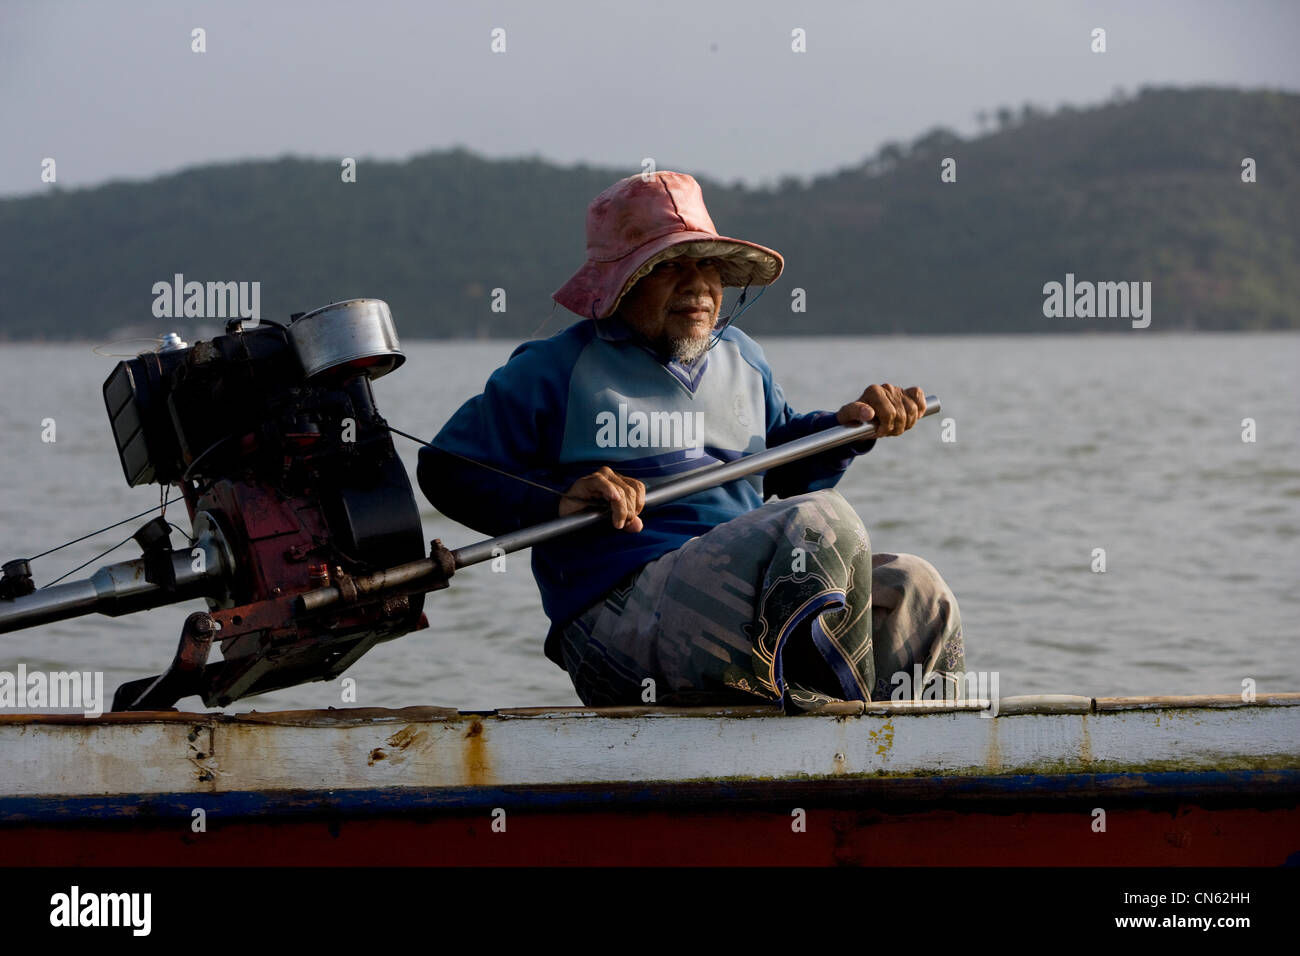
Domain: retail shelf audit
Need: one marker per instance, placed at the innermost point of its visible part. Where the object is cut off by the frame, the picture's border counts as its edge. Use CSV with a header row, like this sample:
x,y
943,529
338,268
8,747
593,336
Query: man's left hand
x,y
893,410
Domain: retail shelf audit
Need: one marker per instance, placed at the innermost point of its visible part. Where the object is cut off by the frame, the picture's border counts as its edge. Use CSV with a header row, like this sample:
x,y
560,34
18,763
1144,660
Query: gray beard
x,y
683,350
687,351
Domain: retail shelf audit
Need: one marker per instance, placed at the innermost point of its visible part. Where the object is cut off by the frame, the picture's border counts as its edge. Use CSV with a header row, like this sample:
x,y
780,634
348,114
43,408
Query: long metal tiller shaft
x,y
688,484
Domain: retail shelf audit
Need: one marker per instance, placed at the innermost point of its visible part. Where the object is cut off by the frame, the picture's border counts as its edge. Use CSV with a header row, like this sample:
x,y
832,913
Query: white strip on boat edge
x,y
433,747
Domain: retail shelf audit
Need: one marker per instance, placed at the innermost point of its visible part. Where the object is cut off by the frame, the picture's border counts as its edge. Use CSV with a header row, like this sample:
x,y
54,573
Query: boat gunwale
x,y
1022,705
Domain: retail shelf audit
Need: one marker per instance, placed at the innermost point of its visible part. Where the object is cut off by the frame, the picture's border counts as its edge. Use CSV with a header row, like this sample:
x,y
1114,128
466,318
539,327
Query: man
x,y
716,597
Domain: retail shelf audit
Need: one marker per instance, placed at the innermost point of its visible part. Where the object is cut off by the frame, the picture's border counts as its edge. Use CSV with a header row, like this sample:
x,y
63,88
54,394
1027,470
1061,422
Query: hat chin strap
x,y
735,313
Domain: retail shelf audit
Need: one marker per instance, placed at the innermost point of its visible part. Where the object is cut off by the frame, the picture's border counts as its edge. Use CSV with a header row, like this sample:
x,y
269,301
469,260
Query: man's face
x,y
676,305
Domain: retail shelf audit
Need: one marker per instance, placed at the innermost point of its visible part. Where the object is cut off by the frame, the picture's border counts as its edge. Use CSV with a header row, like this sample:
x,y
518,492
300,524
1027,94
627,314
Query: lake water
x,y
1130,442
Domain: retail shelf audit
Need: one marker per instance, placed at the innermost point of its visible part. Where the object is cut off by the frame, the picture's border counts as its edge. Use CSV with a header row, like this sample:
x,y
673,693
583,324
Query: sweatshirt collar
x,y
615,329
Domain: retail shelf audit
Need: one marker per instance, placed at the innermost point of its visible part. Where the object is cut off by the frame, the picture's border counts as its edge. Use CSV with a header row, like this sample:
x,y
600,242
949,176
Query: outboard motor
x,y
292,484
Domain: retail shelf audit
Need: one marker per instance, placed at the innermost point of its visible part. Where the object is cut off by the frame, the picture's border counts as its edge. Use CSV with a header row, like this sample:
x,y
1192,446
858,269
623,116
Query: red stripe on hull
x,y
1191,836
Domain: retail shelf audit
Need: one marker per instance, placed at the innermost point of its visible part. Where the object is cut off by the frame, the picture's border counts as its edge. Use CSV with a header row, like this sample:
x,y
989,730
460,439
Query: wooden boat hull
x,y
1048,781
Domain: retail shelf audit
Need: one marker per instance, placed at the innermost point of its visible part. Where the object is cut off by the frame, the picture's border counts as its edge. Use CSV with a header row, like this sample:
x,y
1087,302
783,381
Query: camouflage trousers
x,y
783,604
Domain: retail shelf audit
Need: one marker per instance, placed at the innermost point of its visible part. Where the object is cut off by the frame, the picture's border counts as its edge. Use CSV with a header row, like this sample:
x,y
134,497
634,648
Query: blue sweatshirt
x,y
594,395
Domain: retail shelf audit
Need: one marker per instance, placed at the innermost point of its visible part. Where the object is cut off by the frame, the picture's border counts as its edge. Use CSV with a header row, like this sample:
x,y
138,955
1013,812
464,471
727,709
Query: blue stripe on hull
x,y
1040,793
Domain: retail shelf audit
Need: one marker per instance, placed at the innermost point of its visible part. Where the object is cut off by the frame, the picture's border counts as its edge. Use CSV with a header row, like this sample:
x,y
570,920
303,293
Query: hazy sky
x,y
112,90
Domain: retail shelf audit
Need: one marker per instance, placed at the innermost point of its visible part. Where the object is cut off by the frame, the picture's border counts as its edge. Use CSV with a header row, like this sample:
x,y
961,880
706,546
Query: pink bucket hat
x,y
637,223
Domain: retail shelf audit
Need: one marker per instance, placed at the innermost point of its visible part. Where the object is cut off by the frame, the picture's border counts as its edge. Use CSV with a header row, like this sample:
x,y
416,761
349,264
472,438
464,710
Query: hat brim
x,y
596,289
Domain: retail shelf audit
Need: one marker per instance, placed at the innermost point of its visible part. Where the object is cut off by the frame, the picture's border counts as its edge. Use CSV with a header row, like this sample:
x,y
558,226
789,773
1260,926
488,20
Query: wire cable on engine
x,y
103,529
483,464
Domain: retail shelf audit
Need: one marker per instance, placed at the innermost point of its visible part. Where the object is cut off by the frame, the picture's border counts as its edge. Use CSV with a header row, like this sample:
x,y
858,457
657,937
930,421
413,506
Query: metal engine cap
x,y
356,335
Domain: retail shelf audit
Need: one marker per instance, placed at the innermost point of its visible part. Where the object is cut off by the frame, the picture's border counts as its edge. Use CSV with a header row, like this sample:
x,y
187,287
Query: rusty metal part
x,y
429,574
181,678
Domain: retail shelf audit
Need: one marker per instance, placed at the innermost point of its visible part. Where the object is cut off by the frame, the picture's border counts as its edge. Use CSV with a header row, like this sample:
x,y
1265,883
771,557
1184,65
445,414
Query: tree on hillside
x,y
936,142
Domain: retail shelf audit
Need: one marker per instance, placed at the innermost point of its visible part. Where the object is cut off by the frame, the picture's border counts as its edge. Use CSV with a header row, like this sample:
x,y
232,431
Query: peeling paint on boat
x,y
368,748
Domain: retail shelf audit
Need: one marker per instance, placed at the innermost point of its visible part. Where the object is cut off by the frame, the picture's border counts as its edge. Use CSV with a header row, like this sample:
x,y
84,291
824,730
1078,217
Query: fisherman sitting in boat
x,y
716,597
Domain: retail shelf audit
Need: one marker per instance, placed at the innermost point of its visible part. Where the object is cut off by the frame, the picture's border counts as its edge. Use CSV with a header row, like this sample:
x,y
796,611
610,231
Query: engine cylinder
x,y
357,335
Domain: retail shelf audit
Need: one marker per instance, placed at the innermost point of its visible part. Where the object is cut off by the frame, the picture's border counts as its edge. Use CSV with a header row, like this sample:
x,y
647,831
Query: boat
x,y
1051,780
306,544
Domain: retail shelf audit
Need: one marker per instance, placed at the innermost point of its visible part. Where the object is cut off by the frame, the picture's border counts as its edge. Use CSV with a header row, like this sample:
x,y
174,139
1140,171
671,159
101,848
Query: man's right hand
x,y
626,497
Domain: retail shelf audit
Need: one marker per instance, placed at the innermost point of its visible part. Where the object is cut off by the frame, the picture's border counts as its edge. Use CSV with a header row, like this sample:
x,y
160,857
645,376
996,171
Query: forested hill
x,y
1144,189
